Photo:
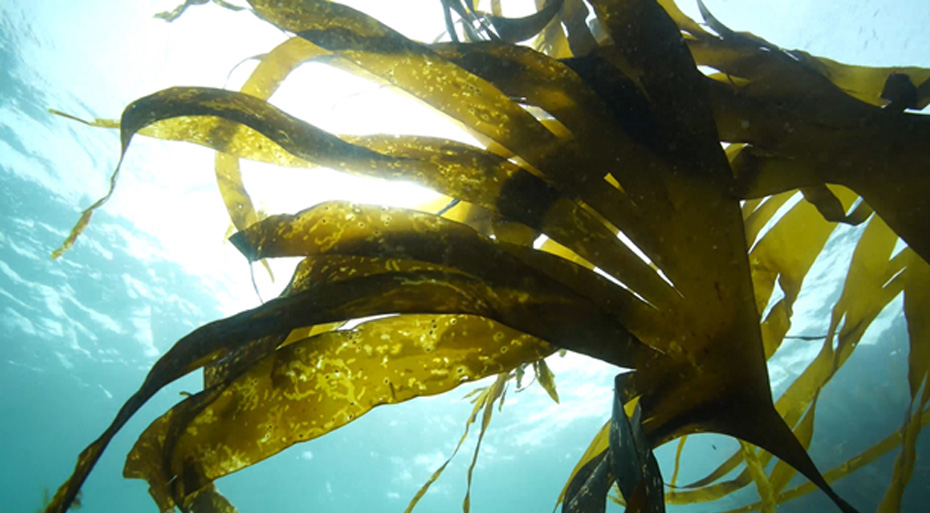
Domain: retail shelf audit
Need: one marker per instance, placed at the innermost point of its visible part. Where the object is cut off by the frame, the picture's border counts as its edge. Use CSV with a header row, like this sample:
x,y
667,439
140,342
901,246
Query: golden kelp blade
x,y
430,289
916,303
451,168
262,83
522,293
314,386
546,379
785,254
497,389
414,68
757,472
480,106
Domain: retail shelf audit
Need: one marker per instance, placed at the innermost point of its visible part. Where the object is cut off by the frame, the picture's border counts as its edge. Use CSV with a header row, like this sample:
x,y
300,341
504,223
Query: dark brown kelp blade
x,y
514,30
587,491
671,403
627,461
633,463
840,134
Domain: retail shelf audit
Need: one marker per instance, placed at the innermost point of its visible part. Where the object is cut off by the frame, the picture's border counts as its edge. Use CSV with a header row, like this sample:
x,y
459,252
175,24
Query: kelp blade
x,y
314,386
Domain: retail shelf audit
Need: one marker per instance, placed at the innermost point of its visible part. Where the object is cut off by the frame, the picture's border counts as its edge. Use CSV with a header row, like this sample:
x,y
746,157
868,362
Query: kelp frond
x,y
662,251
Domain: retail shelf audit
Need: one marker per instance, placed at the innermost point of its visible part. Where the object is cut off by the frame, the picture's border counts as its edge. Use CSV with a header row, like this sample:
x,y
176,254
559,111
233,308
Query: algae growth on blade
x,y
599,214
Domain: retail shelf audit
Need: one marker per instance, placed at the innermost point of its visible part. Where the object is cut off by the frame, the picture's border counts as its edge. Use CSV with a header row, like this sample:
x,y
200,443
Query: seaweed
x,y
592,134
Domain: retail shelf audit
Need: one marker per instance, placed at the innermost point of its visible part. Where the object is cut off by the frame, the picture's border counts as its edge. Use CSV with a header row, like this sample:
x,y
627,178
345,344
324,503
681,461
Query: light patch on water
x,y
16,244
105,391
15,299
56,231
792,357
51,327
411,475
430,460
11,274
54,299
393,495
15,321
142,330
401,474
23,166
102,320
306,455
138,247
539,428
40,370
64,360
93,244
892,315
135,288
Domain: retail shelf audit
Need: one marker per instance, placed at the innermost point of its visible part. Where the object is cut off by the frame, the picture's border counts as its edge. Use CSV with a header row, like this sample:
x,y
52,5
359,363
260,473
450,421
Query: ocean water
x,y
78,334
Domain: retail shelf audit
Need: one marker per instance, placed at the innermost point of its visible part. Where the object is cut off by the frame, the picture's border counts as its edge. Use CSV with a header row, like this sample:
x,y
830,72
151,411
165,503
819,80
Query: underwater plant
x,y
598,128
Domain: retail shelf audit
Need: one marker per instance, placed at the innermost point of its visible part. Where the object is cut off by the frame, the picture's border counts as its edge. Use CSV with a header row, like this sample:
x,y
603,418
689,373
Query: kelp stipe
x,y
629,145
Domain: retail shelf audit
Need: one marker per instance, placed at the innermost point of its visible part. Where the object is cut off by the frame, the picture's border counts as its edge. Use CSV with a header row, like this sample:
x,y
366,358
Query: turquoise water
x,y
77,335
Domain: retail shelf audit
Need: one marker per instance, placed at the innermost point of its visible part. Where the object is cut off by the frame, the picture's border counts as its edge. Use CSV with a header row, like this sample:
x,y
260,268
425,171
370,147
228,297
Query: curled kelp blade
x,y
243,109
839,134
819,101
451,168
865,83
341,228
479,105
314,386
514,30
374,47
265,79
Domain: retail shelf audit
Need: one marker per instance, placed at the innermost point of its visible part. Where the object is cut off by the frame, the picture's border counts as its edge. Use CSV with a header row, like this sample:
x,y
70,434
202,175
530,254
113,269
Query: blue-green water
x,y
77,335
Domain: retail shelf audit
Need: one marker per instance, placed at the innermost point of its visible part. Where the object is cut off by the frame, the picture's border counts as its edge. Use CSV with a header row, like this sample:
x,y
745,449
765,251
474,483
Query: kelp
x,y
662,250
